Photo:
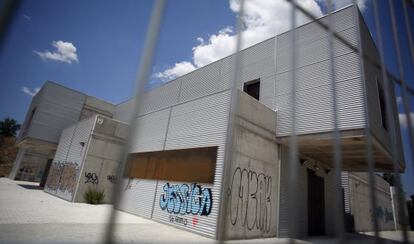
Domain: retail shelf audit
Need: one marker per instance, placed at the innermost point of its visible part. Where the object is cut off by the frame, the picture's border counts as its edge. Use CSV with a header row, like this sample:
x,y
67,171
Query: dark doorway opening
x,y
252,88
316,204
45,173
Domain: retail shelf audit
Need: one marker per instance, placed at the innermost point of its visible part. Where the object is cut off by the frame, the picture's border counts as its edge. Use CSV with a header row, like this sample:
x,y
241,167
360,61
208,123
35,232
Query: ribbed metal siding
x,y
345,186
302,224
58,108
70,152
314,102
199,123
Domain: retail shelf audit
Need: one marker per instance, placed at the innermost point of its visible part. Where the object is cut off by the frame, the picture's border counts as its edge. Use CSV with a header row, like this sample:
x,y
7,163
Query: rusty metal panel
x,y
188,165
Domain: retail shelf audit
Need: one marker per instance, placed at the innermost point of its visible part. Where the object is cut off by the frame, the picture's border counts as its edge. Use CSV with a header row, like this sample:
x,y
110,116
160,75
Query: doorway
x,y
316,204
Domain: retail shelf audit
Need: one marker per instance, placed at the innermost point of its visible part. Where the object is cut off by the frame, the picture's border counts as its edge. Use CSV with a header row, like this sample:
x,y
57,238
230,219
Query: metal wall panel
x,y
57,108
199,123
66,167
161,97
138,196
314,110
302,181
151,131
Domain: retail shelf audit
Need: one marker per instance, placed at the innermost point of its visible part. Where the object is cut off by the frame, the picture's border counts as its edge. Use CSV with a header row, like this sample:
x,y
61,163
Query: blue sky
x,y
108,37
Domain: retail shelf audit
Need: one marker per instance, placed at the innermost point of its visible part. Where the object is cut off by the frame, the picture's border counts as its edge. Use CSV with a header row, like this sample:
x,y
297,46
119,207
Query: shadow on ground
x,y
31,187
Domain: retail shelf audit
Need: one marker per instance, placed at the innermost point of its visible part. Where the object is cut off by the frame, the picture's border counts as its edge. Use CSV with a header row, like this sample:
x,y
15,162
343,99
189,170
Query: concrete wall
x,y
88,156
360,207
102,159
252,193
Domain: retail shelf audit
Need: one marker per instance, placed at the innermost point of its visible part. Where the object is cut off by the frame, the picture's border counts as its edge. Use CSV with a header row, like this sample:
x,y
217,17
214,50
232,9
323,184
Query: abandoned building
x,y
176,173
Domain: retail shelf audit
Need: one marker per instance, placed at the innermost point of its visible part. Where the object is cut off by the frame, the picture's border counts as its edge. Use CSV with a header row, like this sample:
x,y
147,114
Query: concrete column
x,y
17,163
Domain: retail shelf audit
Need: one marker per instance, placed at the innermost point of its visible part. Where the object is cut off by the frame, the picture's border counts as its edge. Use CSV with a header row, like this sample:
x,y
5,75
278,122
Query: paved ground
x,y
29,215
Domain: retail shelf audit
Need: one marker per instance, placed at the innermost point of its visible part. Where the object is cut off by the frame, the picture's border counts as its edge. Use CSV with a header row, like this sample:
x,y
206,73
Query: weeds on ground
x,y
93,196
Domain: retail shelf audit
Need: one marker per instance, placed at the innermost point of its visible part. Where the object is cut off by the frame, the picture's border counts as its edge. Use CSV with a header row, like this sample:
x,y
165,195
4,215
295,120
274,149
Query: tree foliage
x,y
9,127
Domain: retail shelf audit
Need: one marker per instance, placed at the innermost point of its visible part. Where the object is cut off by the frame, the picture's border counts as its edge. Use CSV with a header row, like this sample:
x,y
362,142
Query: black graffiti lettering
x,y
91,178
250,200
112,178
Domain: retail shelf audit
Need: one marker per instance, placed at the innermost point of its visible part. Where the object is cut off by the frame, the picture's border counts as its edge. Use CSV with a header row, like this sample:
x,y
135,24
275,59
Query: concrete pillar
x,y
17,163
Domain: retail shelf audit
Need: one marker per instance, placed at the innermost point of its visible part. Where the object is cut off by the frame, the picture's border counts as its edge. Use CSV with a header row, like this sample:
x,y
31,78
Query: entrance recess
x,y
316,204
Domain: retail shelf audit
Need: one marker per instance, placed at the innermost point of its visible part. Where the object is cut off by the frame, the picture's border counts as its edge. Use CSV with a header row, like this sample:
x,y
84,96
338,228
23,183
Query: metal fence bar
x,y
406,99
367,130
293,142
228,157
409,32
143,75
7,12
338,201
391,122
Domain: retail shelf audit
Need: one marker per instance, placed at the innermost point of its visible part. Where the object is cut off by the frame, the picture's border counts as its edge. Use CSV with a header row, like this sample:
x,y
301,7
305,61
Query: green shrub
x,y
93,196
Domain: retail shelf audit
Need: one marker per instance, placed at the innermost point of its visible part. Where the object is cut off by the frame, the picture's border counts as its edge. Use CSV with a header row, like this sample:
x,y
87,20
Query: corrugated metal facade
x,y
314,111
65,170
197,123
191,111
62,104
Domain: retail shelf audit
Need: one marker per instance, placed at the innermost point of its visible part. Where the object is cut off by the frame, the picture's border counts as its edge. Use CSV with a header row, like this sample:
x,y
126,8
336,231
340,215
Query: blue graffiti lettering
x,y
184,199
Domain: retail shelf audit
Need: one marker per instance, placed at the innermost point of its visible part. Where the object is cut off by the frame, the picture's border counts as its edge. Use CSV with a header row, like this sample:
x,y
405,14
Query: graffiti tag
x,y
91,178
62,177
379,213
184,199
178,219
112,178
250,200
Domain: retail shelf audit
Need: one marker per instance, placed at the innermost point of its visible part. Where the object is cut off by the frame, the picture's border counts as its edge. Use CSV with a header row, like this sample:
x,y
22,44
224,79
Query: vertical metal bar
x,y
338,216
390,121
405,94
406,99
228,154
293,142
143,75
409,32
7,11
367,129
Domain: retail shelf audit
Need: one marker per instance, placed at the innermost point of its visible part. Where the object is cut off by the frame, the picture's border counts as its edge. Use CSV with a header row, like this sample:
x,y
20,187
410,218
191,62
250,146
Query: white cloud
x,y
27,17
262,19
362,4
403,119
29,91
179,69
65,52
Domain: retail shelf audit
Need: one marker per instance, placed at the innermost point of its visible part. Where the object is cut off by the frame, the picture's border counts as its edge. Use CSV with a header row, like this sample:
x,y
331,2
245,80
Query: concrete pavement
x,y
29,215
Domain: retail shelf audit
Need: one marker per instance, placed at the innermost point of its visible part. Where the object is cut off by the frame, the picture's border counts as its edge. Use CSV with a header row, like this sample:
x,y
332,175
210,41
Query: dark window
x,y
252,88
382,106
